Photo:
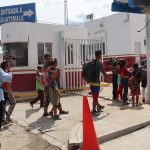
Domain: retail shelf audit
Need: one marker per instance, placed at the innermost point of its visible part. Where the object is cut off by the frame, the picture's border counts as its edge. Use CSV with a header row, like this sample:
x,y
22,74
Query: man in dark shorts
x,y
95,84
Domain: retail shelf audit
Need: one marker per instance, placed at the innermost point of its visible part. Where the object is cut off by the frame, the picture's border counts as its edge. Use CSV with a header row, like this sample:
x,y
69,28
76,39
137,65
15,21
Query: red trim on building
x,y
23,82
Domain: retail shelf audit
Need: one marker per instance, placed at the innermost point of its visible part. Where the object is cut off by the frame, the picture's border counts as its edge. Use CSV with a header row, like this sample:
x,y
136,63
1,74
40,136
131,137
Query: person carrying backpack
x,y
91,73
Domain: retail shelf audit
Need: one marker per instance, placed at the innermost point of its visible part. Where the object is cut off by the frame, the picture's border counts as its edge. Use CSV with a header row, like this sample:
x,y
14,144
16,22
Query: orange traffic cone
x,y
89,135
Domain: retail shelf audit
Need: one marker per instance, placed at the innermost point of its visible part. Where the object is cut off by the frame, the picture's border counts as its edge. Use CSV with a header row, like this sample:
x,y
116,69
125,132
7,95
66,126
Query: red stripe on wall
x,y
23,82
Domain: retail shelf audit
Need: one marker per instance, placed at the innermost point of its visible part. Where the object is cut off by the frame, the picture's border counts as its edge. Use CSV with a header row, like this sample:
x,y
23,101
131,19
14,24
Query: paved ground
x,y
59,133
135,141
15,137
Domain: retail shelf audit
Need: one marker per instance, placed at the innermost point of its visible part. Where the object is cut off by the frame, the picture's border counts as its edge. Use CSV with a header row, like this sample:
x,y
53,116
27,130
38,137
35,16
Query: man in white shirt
x,y
4,77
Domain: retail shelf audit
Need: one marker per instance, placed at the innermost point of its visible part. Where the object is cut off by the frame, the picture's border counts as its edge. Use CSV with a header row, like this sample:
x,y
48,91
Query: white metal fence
x,y
74,53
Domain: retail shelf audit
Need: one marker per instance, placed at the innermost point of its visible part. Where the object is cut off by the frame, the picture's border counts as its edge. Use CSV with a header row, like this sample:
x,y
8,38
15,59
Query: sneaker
x,y
31,105
64,112
51,114
4,122
143,100
45,115
56,117
99,107
8,120
99,110
126,103
94,113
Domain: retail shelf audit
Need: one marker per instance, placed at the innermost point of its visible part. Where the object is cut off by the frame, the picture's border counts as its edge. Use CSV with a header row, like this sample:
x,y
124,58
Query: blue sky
x,y
52,11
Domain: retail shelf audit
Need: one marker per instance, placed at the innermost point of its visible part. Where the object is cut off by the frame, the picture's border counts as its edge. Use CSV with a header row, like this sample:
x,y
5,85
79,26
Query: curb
x,y
73,141
26,97
34,131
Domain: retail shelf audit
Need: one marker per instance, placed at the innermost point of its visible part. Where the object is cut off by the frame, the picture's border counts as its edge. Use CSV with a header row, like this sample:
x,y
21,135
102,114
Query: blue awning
x,y
124,7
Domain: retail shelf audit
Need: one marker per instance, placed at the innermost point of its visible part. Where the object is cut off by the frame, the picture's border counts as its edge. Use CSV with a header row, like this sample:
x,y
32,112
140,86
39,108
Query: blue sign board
x,y
18,13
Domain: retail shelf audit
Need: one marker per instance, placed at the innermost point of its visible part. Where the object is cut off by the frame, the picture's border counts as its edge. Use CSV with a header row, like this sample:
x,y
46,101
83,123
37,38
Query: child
x,y
54,65
119,91
39,88
134,84
54,94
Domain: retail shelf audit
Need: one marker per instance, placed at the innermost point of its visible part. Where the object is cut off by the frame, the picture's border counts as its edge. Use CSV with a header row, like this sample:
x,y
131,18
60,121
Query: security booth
x,y
28,42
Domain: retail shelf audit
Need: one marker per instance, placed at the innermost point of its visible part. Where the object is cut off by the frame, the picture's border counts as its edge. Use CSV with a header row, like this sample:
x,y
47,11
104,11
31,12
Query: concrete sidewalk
x,y
135,141
116,120
69,129
15,137
113,125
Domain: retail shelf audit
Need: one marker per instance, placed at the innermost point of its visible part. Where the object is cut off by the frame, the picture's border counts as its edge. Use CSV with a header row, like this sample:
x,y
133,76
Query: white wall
x,y
40,33
118,32
137,22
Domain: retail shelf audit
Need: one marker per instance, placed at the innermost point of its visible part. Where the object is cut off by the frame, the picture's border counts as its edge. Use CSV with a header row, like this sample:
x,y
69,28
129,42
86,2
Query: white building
x,y
118,33
29,41
115,35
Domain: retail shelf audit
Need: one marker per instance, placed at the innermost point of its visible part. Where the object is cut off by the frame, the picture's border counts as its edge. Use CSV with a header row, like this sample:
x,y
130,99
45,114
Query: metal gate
x,y
74,53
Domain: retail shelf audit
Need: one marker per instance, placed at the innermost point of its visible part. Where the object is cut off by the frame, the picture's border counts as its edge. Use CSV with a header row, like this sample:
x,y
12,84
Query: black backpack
x,y
88,70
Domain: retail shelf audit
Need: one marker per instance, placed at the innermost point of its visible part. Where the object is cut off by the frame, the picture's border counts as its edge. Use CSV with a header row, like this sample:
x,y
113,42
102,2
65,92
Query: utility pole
x,y
148,57
65,13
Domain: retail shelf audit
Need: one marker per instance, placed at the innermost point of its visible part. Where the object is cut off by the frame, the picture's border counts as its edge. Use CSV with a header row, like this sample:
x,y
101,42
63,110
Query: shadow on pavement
x,y
43,124
115,104
29,112
6,127
124,107
97,118
131,108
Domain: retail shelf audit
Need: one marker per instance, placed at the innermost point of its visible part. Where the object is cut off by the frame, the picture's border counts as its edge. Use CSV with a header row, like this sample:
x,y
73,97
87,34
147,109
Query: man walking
x,y
95,82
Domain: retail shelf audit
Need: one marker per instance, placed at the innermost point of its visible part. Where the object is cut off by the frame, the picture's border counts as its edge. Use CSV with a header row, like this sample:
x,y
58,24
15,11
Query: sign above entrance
x,y
18,13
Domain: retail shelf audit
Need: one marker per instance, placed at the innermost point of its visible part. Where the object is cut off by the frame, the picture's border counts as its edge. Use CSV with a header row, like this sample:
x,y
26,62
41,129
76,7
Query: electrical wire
x,y
144,26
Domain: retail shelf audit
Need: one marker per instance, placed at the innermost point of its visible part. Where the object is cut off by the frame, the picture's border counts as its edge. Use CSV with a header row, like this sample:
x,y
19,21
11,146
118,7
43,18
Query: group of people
x,y
47,87
48,84
6,94
124,80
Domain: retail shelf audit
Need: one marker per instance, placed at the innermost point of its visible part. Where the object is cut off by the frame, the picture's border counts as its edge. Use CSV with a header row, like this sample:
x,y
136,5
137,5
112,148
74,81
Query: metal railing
x,y
74,53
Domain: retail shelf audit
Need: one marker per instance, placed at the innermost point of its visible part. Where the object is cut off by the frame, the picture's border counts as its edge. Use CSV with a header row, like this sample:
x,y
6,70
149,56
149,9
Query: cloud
x,y
47,3
53,10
